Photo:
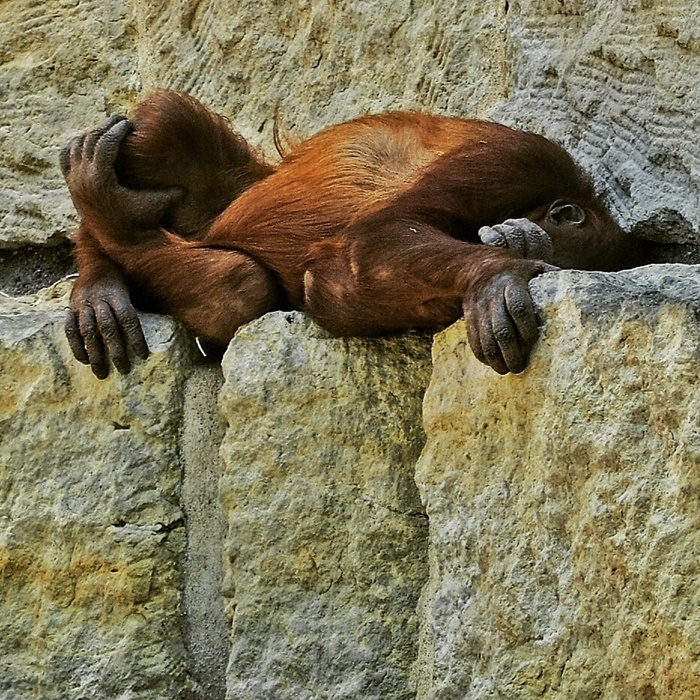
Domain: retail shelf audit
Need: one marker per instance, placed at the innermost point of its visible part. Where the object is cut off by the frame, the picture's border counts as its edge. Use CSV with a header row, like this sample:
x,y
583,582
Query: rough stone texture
x,y
564,541
563,503
616,82
64,64
327,61
206,629
91,533
326,535
29,269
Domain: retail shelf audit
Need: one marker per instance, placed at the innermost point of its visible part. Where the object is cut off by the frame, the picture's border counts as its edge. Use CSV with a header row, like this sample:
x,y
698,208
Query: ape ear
x,y
562,212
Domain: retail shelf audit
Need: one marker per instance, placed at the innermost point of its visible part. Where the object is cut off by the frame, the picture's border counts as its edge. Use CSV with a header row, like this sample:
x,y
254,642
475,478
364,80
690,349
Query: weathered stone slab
x,y
64,65
326,544
91,532
563,502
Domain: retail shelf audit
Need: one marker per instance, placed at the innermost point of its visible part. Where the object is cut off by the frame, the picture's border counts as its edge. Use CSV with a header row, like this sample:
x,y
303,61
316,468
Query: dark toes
x,y
131,328
100,369
501,323
473,337
93,343
521,309
112,337
492,351
510,351
482,336
75,338
108,144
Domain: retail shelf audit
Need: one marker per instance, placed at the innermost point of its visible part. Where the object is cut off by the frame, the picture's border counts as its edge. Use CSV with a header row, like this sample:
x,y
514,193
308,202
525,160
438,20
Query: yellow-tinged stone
x,y
326,536
91,532
563,502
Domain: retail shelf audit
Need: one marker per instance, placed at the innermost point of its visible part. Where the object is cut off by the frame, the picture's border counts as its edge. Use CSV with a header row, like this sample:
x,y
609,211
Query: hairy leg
x,y
124,254
402,275
213,291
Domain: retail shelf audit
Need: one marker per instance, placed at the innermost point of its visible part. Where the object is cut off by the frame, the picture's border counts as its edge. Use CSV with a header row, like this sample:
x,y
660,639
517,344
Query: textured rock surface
x,y
617,82
564,541
206,628
326,545
91,533
564,527
64,64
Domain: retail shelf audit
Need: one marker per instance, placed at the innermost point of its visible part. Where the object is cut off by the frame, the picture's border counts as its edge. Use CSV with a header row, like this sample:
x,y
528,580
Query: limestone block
x,y
326,544
563,502
320,63
91,533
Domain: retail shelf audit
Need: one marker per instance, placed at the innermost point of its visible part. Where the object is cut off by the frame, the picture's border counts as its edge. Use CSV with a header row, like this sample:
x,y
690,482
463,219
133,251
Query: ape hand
x,y
87,163
101,324
521,235
501,321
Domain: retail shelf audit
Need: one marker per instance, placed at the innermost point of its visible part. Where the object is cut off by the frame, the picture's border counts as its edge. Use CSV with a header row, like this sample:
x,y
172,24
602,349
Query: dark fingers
x,y
96,134
518,303
520,235
130,325
93,342
75,338
70,153
111,337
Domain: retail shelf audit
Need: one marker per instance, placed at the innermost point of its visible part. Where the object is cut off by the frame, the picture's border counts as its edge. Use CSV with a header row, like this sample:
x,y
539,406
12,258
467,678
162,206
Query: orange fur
x,y
370,226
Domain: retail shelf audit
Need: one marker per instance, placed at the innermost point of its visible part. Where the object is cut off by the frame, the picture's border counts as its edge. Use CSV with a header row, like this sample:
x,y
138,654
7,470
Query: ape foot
x,y
101,324
501,321
520,235
87,163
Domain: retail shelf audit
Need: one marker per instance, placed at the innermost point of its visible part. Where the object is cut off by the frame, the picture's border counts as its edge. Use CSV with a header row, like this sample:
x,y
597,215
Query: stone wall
x,y
616,82
92,533
552,537
136,564
326,550
564,528
545,542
